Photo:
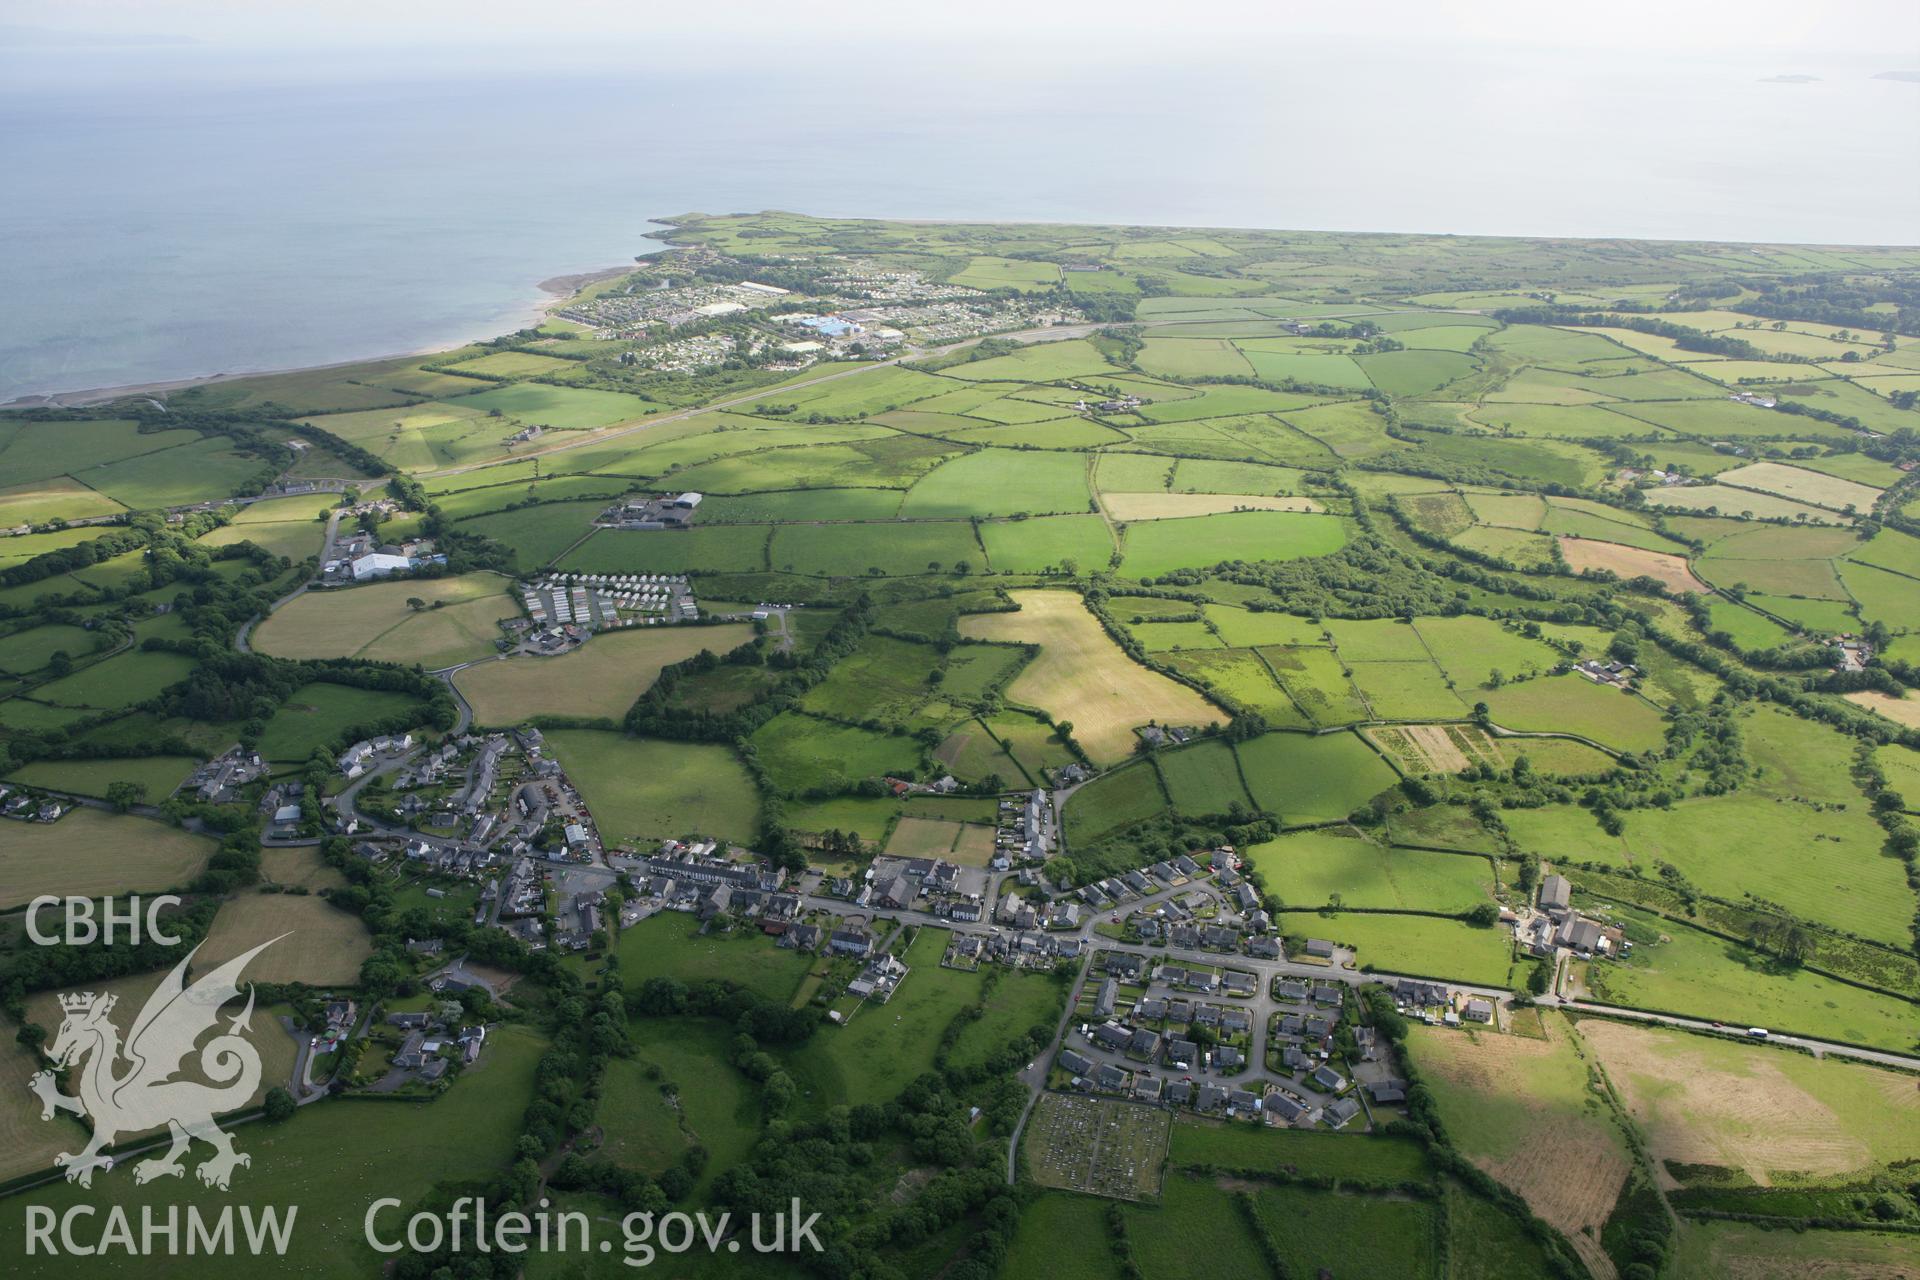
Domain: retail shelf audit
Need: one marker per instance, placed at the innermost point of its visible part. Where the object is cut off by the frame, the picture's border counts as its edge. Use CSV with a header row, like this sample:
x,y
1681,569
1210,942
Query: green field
x,y
318,715
1154,547
641,790
1312,778
1419,945
1319,868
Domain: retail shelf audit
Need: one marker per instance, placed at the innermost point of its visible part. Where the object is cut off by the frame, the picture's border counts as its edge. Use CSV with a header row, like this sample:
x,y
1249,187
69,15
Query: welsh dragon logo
x,y
143,1094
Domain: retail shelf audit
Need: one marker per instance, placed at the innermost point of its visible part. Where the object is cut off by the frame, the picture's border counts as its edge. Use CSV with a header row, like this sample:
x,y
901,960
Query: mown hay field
x,y
90,852
376,622
601,678
1081,675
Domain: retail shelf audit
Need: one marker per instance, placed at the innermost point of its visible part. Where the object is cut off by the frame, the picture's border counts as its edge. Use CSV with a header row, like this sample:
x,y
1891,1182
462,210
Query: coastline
x,y
555,288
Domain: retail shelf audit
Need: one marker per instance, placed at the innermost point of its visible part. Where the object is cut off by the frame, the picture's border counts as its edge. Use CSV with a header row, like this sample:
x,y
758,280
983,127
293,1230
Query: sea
x,y
177,211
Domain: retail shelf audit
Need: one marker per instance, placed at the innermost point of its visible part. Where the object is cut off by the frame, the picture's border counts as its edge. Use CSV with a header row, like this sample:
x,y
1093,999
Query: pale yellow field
x,y
1631,562
1081,675
922,838
1904,711
1807,486
28,1144
324,944
375,622
601,678
1526,1112
302,867
974,848
1168,506
91,852
1764,1111
276,1047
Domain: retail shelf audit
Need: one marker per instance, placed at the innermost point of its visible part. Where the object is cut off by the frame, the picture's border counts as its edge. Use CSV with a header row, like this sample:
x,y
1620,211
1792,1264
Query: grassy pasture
x,y
1001,482
1572,704
1425,946
1203,779
159,774
639,789
1691,972
719,548
1155,547
538,534
1806,486
1245,628
52,498
120,681
1047,542
601,678
318,714
1316,868
1312,778
324,945
1771,1115
375,622
91,852
1242,676
320,1160
809,756
1497,1092
897,549
1314,677
1082,676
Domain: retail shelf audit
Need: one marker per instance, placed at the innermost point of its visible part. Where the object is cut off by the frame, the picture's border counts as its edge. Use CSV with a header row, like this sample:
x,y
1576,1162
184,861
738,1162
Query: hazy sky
x,y
1882,29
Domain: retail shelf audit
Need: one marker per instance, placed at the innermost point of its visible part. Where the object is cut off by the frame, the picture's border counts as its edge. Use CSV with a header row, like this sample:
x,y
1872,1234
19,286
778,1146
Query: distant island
x,y
1910,77
1789,79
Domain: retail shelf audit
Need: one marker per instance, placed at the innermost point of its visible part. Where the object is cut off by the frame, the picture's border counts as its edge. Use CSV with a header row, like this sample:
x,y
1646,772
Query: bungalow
x,y
1290,989
1239,984
1244,897
1123,964
1478,1010
1338,1114
408,1021
1280,1108
1294,1059
1111,1035
1078,1063
1103,1002
432,1069
411,1053
1387,1091
1242,1100
1236,1021
1263,948
1319,948
1326,993
1186,866
1110,1076
1138,882
1293,1024
1328,1080
1206,1015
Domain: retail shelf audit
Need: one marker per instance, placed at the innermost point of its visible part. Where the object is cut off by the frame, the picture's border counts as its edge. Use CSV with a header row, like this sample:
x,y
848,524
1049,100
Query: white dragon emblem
x,y
146,1095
